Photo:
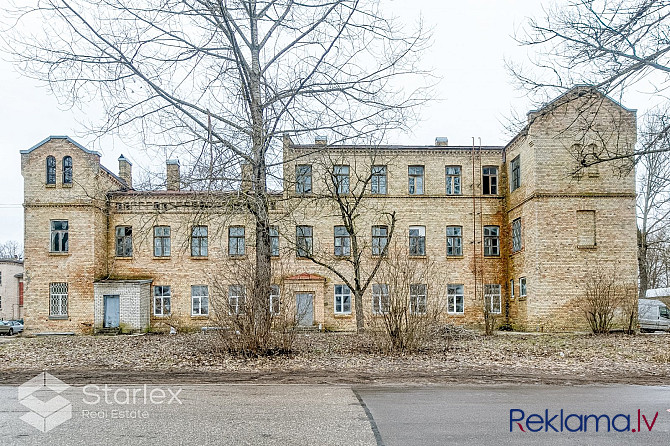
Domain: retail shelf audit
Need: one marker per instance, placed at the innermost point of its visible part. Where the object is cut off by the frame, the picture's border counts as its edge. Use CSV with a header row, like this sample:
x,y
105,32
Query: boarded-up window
x,y
586,228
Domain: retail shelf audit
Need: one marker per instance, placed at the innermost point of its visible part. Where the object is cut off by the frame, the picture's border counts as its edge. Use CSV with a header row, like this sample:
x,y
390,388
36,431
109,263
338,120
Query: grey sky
x,y
475,95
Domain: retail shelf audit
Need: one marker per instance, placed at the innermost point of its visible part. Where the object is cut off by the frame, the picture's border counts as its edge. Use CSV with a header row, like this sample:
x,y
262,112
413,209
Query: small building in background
x,y
11,289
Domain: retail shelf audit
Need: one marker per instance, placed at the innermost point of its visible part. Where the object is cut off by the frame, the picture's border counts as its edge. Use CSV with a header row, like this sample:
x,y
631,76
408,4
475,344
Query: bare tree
x,y
610,44
11,249
218,82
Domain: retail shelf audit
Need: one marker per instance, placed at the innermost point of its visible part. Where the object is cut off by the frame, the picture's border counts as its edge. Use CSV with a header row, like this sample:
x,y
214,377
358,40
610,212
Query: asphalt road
x,y
330,415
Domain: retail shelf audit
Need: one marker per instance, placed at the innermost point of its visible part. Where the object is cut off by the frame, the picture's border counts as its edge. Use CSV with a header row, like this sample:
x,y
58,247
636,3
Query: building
x,y
11,289
517,229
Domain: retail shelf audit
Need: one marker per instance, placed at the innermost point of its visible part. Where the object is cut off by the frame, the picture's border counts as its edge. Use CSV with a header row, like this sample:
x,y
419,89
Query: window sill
x,y
200,316
123,257
342,315
455,257
161,315
199,257
67,185
57,254
161,258
237,256
456,314
415,256
50,186
59,318
587,247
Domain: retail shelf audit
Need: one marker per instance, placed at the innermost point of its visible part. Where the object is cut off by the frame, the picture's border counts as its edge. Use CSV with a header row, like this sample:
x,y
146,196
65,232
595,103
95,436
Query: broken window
x,y
124,241
58,299
491,241
199,300
303,179
492,298
454,241
341,179
236,241
67,170
342,241
415,180
417,298
275,306
378,180
586,227
453,179
455,299
199,241
303,241
236,295
380,237
342,299
59,236
516,235
417,240
162,296
381,302
274,241
515,168
490,180
51,170
161,241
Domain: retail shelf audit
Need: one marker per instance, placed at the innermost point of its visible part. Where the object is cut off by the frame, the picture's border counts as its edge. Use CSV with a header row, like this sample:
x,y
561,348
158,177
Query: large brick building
x,y
519,228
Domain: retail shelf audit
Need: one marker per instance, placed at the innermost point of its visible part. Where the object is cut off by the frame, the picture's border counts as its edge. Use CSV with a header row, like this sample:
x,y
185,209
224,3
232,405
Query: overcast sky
x,y
475,94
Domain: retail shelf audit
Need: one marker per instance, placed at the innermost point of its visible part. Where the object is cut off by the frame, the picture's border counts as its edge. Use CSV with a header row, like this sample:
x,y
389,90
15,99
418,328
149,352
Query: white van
x,y
653,315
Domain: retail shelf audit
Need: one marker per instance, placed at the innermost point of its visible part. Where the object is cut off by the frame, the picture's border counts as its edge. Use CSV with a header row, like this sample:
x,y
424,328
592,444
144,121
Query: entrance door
x,y
112,310
304,307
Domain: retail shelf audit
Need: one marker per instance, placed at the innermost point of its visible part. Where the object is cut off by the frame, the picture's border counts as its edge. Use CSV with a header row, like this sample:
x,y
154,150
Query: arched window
x,y
51,170
67,170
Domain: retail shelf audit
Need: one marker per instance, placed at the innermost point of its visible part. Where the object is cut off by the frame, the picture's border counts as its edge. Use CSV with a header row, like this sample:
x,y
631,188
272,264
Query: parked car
x,y
10,328
653,315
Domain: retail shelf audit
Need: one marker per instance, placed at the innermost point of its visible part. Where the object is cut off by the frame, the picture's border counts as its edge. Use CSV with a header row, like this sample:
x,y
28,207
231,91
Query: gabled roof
x,y
67,138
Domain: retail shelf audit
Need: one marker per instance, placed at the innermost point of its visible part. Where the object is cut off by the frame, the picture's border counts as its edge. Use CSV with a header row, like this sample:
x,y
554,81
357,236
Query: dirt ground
x,y
345,358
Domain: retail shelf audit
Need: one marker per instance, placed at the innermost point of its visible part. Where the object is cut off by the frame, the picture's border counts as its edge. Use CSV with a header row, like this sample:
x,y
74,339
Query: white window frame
x,y
341,179
162,241
379,242
456,242
378,181
236,241
123,236
522,287
492,297
455,295
58,300
491,241
511,288
491,173
418,298
341,241
275,299
415,178
164,298
274,241
381,299
202,236
200,295
453,177
236,296
341,305
419,238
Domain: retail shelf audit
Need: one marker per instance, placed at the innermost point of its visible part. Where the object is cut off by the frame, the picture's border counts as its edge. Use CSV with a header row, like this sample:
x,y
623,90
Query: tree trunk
x,y
642,263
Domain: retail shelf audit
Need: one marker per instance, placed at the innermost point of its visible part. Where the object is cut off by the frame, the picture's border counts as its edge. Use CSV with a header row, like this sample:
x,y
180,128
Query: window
x,y
0,302
490,180
342,241
417,240
236,241
161,241
342,299
454,241
380,238
275,306
67,170
453,177
124,241
455,299
58,299
491,241
162,295
304,241
586,227
516,235
511,288
381,303
59,236
522,287
236,299
415,180
274,241
303,179
199,300
199,241
378,180
492,298
341,179
417,299
51,170
515,168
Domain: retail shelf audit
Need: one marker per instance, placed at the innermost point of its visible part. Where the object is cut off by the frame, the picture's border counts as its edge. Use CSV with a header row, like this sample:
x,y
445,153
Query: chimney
x,y
320,140
442,141
173,178
247,174
126,171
